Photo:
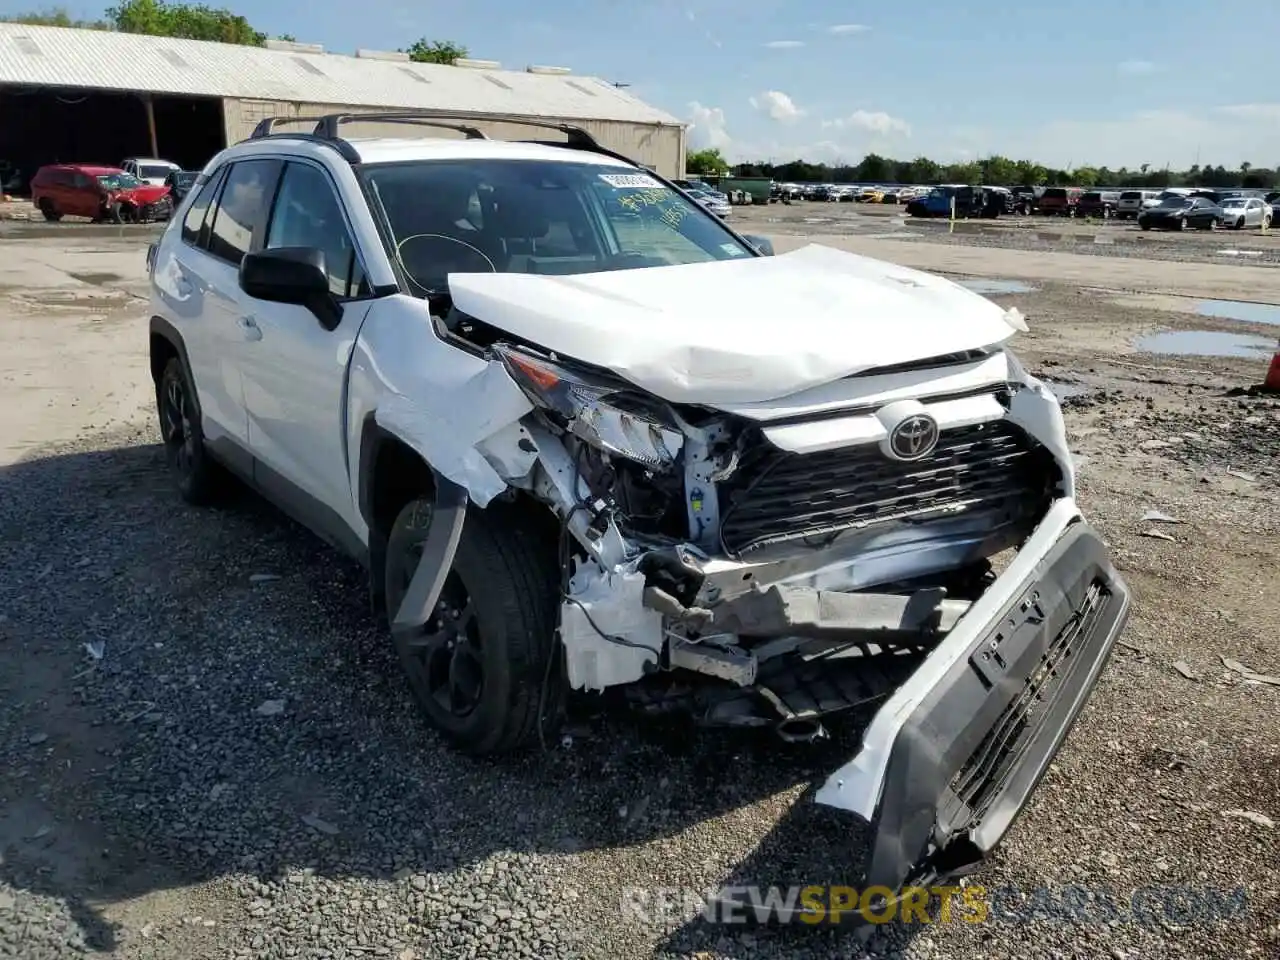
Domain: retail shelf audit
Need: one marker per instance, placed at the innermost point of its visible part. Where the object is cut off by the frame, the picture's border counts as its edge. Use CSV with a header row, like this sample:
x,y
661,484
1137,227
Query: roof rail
x,y
327,128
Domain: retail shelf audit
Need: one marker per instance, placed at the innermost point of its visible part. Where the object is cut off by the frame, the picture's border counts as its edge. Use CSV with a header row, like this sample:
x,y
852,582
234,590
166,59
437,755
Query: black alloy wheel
x,y
197,475
445,659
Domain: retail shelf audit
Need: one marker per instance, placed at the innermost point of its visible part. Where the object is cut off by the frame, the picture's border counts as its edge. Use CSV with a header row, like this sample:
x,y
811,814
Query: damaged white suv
x,y
585,436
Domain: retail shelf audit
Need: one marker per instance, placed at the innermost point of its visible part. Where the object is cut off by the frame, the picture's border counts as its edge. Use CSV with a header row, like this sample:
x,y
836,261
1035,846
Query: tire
x,y
503,688
1182,223
1266,223
48,211
197,476
1240,224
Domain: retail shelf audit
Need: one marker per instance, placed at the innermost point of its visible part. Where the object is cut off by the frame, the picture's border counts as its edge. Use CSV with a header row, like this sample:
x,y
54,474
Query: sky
x,y
1069,83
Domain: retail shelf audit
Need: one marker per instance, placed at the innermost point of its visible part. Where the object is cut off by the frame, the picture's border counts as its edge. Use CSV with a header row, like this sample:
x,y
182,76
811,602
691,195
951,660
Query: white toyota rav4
x,y
583,435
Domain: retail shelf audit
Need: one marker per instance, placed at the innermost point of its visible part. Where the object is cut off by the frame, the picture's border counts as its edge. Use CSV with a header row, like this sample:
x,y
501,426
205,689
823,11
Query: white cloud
x,y
784,44
844,28
877,122
777,105
1136,68
1268,112
707,127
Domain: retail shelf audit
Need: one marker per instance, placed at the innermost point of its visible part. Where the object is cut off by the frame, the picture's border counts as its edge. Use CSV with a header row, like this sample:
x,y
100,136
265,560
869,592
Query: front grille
x,y
775,496
985,771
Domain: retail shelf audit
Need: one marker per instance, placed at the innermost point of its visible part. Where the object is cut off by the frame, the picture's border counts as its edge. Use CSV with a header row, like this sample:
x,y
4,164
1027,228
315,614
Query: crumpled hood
x,y
738,331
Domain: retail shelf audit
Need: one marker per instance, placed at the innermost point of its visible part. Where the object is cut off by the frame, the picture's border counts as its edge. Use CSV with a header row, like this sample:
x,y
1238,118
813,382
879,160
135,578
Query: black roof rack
x,y
326,129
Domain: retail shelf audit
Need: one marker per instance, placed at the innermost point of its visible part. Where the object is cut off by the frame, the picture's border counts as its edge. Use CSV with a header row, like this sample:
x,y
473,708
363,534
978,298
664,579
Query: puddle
x,y
97,279
1237,253
988,286
1205,343
817,220
1104,238
1239,310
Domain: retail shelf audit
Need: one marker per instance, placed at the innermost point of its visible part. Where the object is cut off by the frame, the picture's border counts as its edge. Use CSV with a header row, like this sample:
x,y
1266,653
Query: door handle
x,y
249,327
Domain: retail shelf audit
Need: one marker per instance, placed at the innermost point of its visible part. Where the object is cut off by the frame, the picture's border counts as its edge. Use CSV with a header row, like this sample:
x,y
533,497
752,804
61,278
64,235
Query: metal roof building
x,y
300,79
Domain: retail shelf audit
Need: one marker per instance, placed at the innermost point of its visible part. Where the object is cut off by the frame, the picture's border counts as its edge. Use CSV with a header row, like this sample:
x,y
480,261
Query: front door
x,y
295,374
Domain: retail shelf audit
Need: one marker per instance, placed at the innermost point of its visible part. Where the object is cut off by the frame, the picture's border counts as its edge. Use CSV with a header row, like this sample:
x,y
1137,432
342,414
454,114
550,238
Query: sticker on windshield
x,y
733,250
630,181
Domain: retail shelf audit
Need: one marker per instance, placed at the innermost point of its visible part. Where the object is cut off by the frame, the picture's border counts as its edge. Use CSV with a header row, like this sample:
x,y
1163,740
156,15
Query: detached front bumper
x,y
950,760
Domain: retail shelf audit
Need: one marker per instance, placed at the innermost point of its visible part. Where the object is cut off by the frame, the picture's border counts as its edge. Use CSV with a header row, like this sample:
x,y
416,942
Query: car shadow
x,y
199,694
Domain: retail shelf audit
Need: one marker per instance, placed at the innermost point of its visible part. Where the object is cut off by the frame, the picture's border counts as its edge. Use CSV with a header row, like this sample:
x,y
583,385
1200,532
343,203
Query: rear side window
x,y
242,209
194,219
1054,193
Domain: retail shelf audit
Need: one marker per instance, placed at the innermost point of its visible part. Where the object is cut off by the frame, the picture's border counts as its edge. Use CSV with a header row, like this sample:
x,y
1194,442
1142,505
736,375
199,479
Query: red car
x,y
99,193
1059,201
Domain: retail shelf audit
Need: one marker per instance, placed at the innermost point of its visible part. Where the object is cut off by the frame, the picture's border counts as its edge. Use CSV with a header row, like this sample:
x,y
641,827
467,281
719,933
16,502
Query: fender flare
x,y
447,518
448,515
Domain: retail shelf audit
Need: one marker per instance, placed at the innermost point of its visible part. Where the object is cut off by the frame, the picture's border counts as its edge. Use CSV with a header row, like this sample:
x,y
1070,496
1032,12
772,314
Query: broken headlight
x,y
605,413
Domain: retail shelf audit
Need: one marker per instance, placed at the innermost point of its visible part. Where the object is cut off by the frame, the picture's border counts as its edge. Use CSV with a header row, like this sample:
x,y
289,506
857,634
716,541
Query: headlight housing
x,y
607,414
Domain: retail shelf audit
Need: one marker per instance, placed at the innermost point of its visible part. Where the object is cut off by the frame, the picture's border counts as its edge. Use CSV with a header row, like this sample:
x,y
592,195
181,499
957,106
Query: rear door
x,y
83,197
295,373
222,224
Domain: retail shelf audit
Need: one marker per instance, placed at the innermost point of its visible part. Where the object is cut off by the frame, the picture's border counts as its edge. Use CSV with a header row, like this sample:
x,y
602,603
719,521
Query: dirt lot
x,y
152,804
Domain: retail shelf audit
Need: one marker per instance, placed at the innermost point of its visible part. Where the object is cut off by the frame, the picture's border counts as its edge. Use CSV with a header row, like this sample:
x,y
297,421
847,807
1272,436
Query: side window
x,y
308,213
82,182
242,208
194,219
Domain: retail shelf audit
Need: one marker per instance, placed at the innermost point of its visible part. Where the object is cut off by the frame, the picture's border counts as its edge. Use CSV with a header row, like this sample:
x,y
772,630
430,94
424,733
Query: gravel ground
x,y
206,749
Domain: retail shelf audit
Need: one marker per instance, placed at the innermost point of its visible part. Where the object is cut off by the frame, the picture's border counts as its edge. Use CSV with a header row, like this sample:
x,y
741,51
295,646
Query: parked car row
x,y
1178,211
139,190
844,193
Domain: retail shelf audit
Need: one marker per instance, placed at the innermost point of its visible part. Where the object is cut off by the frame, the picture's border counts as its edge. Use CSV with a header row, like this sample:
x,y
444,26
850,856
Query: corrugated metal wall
x,y
657,146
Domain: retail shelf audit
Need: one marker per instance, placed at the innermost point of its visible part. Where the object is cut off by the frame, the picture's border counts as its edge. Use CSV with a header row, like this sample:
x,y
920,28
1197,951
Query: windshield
x,y
119,181
1234,202
532,216
1175,201
184,179
150,172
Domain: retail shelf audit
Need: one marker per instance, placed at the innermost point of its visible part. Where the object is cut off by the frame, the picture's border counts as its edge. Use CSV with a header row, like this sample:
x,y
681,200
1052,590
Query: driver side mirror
x,y
296,275
763,244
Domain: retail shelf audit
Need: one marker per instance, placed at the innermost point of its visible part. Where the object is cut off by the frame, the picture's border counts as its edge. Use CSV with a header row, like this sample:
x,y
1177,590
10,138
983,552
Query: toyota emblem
x,y
914,437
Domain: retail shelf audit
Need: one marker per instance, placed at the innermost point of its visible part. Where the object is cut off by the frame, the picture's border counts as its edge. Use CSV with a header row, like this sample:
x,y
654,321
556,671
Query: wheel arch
x,y
392,472
165,344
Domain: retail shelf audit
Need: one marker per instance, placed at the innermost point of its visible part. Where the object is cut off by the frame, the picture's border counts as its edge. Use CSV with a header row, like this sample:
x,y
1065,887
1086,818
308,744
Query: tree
x,y
187,21
435,51
999,170
56,17
708,162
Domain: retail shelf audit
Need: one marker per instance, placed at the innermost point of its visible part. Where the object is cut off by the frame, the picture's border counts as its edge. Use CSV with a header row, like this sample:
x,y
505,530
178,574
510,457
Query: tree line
x,y
996,170
196,21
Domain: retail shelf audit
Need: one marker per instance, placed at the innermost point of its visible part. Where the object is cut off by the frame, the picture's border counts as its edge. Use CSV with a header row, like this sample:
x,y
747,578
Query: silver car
x,y
1240,212
717,204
